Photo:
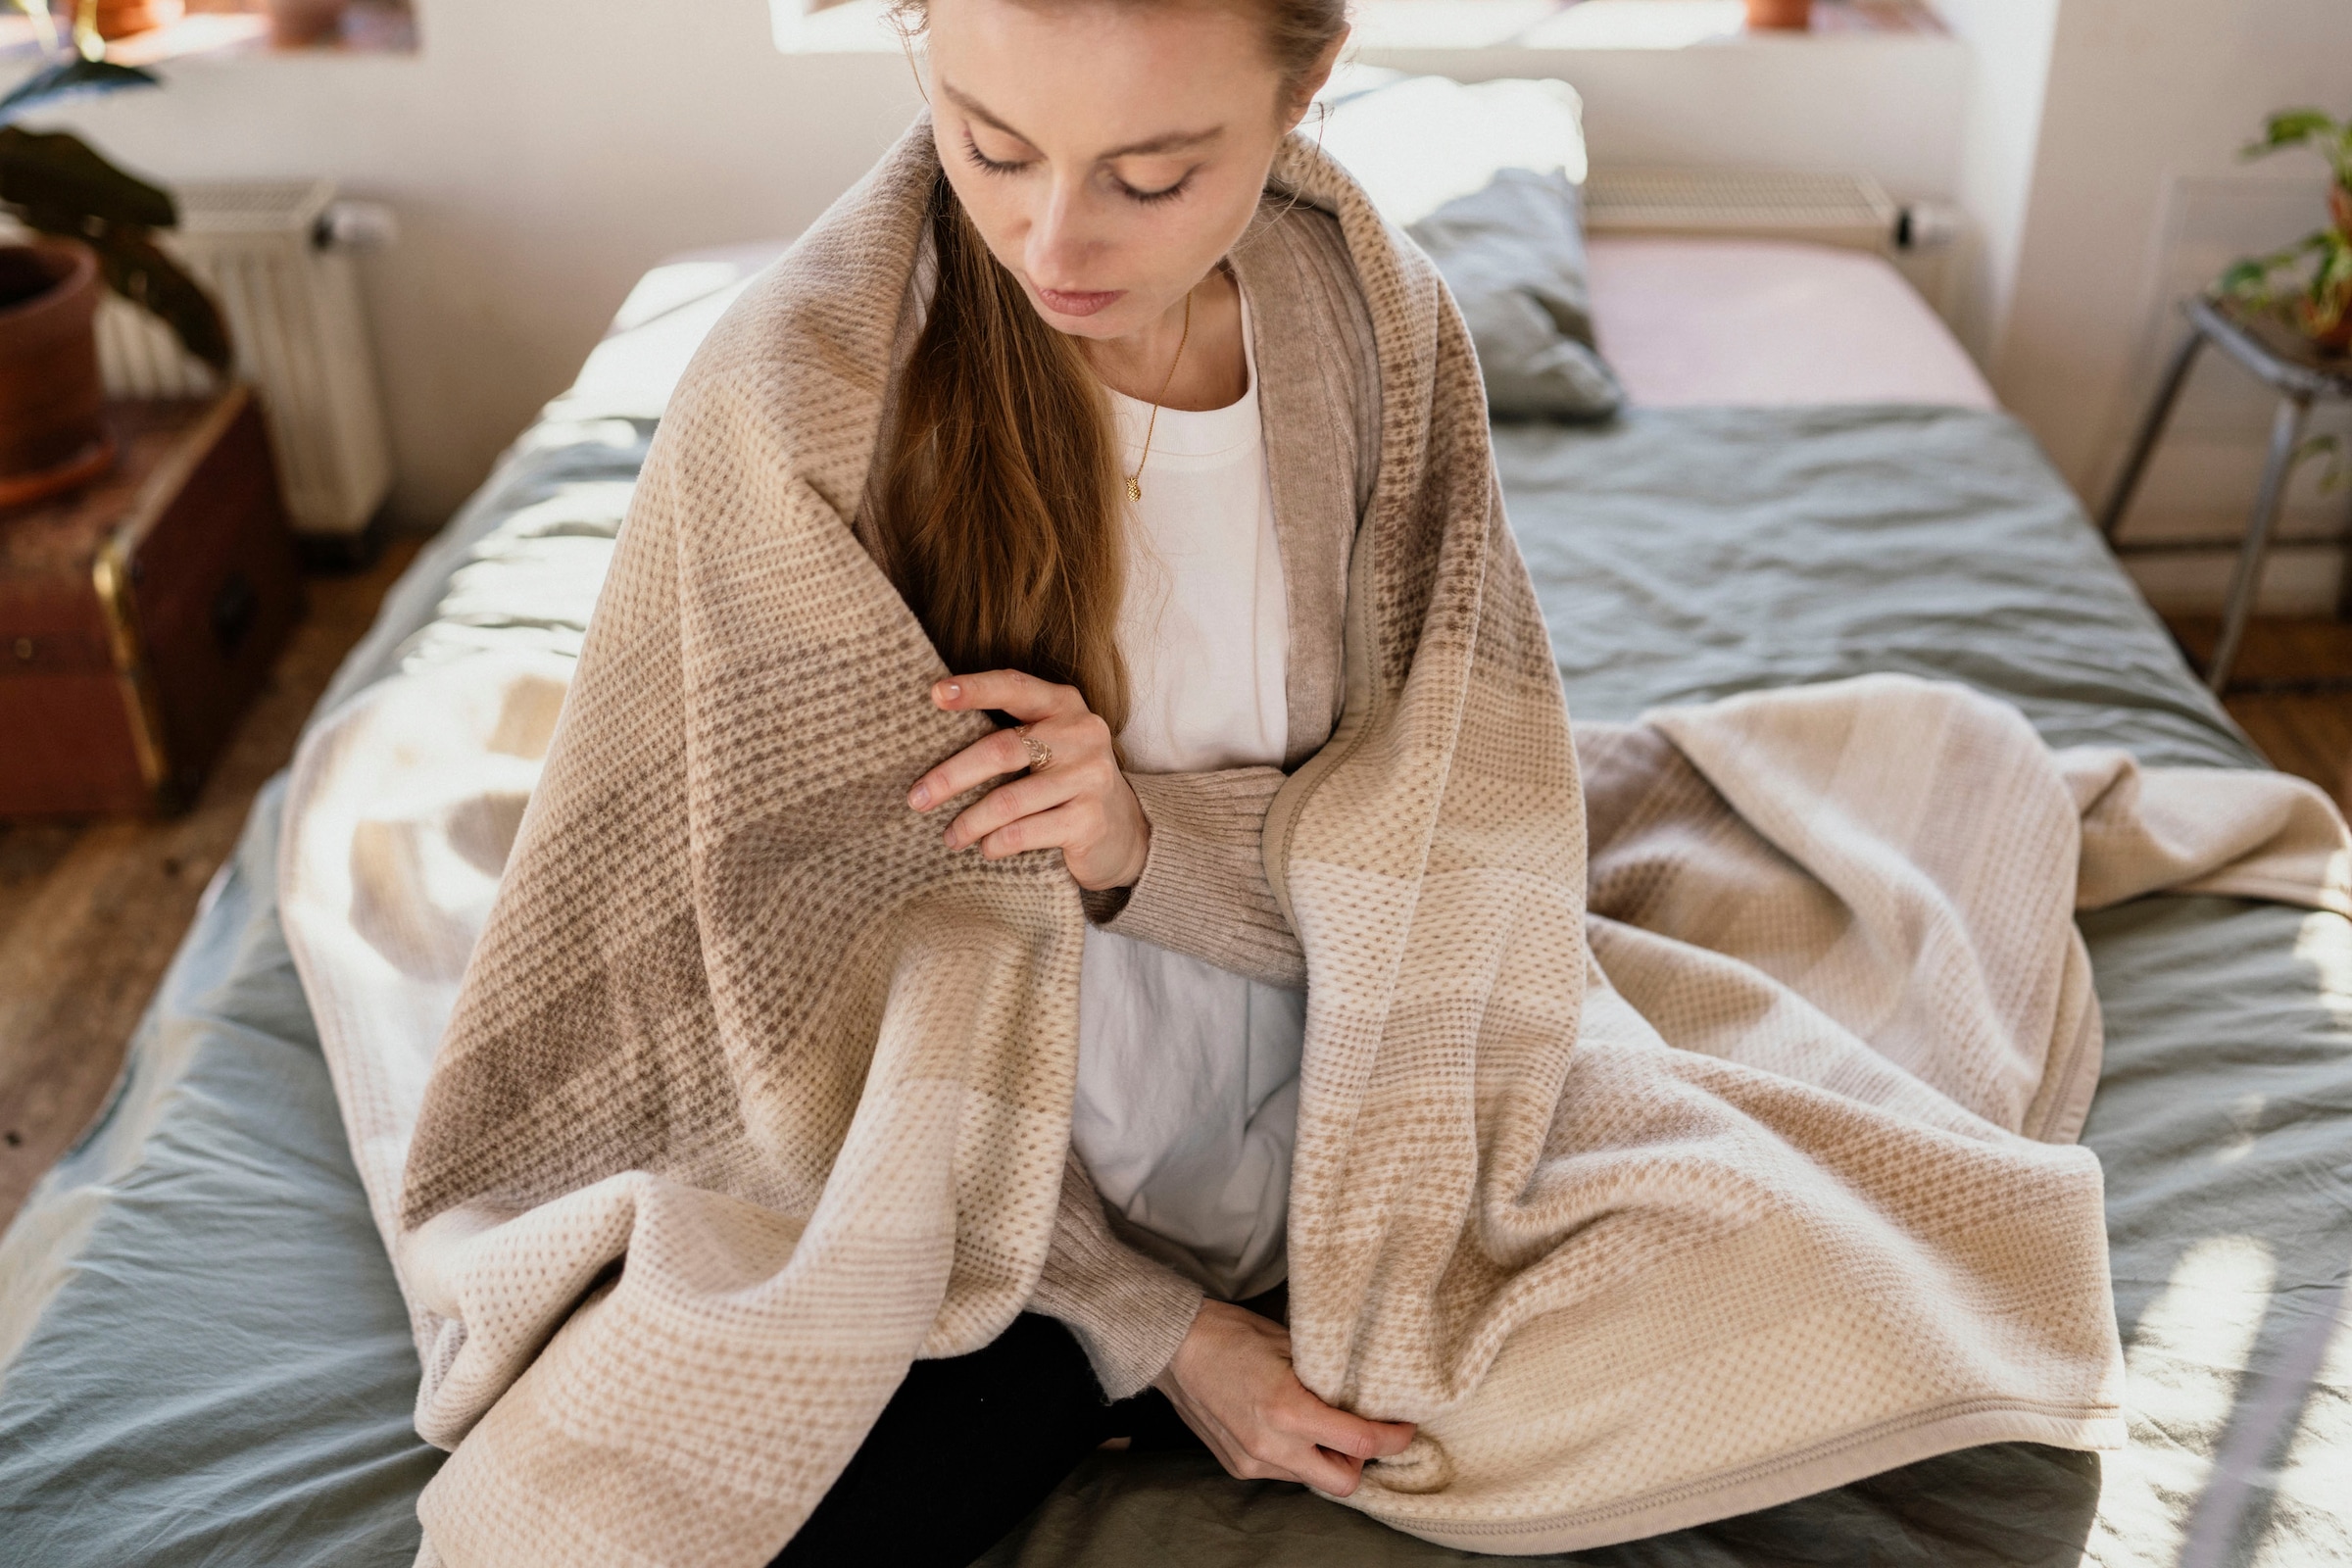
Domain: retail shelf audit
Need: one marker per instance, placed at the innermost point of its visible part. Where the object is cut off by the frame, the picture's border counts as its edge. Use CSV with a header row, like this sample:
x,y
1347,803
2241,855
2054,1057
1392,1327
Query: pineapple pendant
x,y
1135,480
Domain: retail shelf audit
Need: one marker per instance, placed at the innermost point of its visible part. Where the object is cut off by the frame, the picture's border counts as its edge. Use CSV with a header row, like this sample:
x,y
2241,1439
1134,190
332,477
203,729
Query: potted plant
x,y
91,221
1779,15
127,19
304,23
2309,284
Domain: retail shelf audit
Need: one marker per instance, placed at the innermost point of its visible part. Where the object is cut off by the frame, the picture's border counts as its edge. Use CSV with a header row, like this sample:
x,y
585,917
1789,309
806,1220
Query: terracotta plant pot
x,y
2331,340
52,409
1779,15
121,19
304,23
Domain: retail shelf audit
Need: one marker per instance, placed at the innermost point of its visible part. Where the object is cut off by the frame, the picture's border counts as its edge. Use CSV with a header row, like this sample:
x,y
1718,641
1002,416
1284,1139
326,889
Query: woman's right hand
x,y
1233,1384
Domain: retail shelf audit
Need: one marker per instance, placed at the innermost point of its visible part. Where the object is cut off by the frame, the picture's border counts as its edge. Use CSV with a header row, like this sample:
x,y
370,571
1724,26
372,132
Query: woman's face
x,y
1110,154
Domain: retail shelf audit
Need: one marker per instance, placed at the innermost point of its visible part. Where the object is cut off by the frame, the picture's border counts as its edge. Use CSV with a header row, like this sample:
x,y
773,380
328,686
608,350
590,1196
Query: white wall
x,y
540,155
2136,196
1999,126
1890,105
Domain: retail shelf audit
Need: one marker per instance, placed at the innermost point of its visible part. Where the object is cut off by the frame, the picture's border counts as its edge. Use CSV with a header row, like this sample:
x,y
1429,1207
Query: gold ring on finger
x,y
1041,756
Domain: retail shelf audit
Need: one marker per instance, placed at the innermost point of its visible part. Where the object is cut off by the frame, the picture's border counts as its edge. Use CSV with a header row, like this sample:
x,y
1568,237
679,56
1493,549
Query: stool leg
x,y
2287,435
2151,426
2343,585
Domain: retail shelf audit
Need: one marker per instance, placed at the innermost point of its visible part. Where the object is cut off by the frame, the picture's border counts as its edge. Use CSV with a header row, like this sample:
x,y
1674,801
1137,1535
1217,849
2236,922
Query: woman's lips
x,y
1062,302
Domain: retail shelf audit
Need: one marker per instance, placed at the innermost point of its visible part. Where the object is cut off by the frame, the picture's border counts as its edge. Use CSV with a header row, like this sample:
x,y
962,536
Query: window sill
x,y
1421,27
368,27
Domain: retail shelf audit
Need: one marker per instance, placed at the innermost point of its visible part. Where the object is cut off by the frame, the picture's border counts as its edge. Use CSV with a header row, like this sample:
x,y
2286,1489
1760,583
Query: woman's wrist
x,y
1231,1382
1142,854
1066,789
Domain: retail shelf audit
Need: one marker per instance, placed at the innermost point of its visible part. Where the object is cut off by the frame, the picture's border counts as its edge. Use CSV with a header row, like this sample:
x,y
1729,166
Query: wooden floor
x,y
90,913
2303,733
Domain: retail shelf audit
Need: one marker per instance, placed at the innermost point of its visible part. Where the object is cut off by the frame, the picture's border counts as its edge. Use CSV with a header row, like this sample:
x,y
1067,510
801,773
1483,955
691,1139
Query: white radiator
x,y
1825,209
268,251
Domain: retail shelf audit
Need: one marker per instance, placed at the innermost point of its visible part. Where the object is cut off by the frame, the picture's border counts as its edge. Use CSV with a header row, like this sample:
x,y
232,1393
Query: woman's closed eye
x,y
992,165
1165,193
1148,196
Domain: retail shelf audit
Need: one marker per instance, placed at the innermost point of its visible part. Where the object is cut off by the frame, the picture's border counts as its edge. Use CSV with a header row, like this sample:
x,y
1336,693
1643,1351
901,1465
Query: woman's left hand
x,y
1079,803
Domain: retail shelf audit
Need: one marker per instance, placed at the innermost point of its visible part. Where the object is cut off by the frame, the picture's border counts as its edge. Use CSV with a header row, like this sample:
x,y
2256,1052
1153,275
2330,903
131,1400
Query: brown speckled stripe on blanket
x,y
1716,1199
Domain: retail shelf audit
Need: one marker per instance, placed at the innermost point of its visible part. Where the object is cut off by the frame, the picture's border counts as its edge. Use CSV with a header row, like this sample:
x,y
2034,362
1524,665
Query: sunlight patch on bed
x,y
2311,1479
2182,1371
2245,1123
2324,942
668,287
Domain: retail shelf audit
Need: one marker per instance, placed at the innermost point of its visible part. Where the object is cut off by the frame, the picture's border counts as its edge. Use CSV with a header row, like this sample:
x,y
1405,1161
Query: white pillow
x,y
1418,142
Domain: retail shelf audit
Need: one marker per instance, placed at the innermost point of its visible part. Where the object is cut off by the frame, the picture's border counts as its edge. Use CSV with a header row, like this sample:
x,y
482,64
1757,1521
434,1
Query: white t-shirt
x,y
1188,1074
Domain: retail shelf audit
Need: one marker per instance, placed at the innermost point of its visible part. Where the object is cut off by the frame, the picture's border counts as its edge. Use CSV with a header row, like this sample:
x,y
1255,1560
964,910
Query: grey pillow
x,y
1514,256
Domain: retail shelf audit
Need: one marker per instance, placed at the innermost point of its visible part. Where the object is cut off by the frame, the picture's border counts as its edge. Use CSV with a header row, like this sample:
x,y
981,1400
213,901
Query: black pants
x,y
967,1447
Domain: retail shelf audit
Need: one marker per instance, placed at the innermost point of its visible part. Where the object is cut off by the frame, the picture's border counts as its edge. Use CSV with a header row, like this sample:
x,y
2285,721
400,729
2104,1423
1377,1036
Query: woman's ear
x,y
1302,94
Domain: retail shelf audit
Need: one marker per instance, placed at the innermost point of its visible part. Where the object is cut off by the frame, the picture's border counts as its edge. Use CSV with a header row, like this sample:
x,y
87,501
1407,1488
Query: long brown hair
x,y
1002,501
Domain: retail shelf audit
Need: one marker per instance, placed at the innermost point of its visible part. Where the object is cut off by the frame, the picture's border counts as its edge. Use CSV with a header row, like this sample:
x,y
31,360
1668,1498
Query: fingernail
x,y
952,691
919,799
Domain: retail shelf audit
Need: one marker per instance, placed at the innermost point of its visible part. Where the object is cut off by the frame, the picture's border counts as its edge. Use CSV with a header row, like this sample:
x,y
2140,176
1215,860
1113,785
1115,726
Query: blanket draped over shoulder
x,y
1674,1137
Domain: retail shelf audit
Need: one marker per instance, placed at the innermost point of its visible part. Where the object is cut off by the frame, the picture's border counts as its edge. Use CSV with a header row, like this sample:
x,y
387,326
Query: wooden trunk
x,y
140,615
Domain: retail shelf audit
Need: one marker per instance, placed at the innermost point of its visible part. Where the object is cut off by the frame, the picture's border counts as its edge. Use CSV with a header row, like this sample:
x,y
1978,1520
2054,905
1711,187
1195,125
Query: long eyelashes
x,y
990,165
986,163
1166,193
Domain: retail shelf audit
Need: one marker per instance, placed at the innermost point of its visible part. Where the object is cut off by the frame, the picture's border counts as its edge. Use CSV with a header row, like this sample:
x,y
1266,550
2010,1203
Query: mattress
x,y
204,1360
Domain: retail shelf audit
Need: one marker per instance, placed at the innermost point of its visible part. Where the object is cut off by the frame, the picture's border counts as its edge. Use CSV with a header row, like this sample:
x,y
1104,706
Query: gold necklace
x,y
1135,480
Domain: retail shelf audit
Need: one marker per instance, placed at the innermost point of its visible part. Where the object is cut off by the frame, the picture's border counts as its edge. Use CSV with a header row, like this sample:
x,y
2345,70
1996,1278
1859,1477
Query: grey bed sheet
x,y
204,1358
220,1373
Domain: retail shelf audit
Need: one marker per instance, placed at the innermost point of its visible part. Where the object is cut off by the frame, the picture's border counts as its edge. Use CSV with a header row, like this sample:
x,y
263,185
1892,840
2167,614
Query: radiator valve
x,y
357,227
1926,226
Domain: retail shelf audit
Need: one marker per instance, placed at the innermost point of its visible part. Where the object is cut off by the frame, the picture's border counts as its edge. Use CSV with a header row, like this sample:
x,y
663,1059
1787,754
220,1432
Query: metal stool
x,y
2300,380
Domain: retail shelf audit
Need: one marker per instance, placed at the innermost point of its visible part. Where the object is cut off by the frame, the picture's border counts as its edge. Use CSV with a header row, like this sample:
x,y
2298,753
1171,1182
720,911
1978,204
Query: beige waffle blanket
x,y
1751,1178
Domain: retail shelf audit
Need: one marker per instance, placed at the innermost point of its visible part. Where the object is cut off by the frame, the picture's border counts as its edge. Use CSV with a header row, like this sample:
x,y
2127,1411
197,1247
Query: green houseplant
x,y
2309,284
90,221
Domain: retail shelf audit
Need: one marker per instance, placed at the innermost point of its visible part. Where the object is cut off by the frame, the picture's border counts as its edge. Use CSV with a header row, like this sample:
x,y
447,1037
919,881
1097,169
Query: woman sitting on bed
x,y
1104,488
1077,500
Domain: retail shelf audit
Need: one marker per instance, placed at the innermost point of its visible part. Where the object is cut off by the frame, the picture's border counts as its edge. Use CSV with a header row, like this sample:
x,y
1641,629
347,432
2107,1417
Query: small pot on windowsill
x,y
306,23
127,19
1779,15
53,432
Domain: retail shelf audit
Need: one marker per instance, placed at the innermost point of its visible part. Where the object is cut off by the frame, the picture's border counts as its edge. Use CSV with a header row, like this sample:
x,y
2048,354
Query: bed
x,y
204,1358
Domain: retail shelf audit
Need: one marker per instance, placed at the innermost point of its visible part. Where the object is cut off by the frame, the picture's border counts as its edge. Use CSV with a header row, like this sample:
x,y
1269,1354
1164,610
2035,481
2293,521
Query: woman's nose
x,y
1058,245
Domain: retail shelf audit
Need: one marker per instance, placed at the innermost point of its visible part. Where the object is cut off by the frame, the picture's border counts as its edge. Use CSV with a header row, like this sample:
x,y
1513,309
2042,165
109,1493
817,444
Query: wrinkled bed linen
x,y
1815,1057
1688,554
2223,1118
204,1358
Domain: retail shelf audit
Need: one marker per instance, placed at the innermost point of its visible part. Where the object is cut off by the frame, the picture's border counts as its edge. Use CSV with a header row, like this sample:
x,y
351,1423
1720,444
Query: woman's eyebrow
x,y
1174,141
979,110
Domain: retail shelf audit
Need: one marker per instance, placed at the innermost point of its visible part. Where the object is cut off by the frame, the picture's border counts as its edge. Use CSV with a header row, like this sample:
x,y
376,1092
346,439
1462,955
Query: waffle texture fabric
x,y
1677,1135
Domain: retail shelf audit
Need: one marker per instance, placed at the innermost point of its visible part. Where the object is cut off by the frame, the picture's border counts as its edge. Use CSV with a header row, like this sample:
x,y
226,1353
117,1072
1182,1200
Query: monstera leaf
x,y
56,172
54,184
143,274
69,78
